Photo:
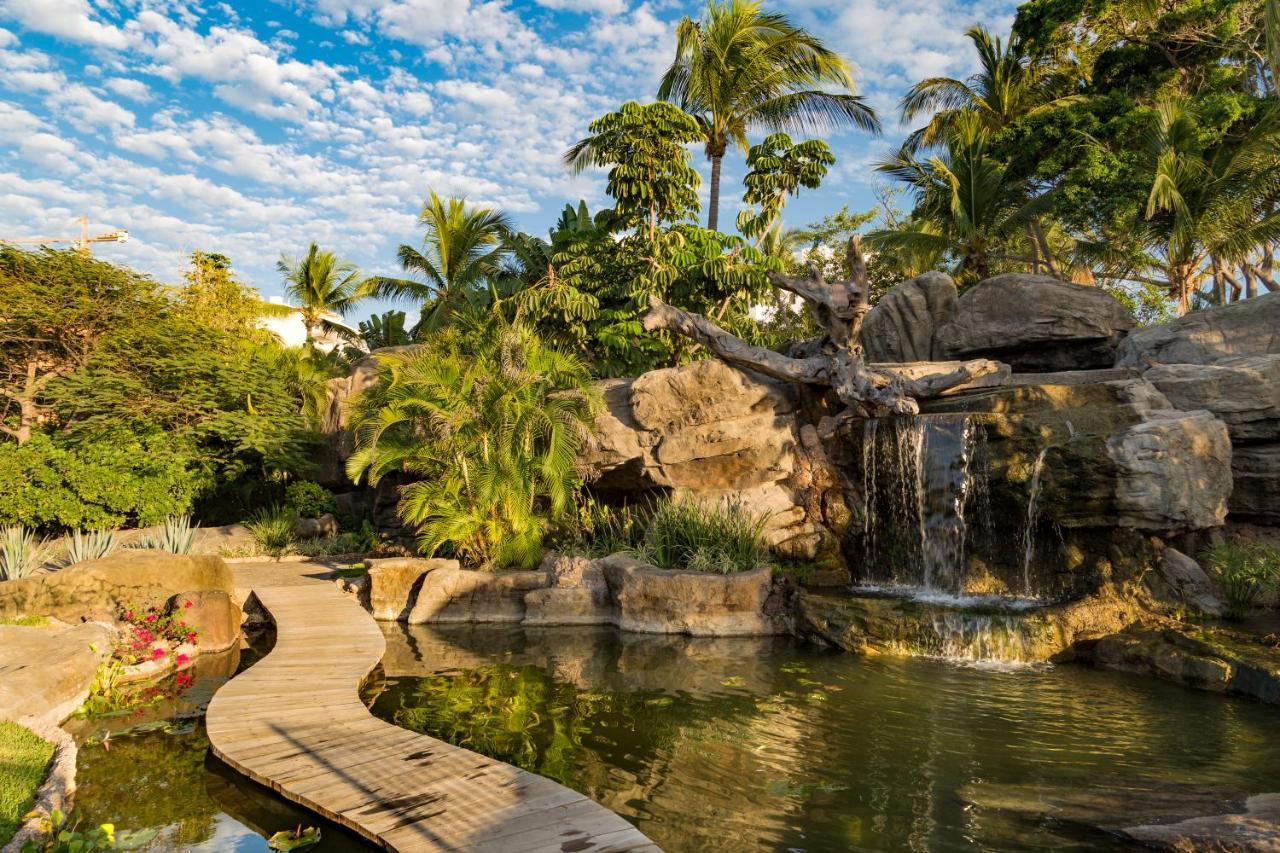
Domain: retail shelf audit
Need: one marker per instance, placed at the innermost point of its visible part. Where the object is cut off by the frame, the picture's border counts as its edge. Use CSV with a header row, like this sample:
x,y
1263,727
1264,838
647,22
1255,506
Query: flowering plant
x,y
151,633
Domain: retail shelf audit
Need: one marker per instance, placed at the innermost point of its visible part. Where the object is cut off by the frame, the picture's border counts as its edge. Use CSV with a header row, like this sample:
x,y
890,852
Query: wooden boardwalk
x,y
295,723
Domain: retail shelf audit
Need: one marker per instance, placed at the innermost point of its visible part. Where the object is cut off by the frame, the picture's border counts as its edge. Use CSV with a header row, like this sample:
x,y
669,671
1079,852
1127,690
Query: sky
x,y
251,129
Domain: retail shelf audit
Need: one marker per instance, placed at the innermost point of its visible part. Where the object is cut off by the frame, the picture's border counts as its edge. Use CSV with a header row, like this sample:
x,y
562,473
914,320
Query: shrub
x,y
274,529
21,553
309,500
686,534
1244,571
176,536
602,530
91,545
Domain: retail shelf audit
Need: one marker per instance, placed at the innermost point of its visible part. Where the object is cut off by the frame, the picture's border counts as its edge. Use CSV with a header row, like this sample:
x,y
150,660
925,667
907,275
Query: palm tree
x,y
463,250
1208,209
966,202
490,419
1007,86
322,284
739,69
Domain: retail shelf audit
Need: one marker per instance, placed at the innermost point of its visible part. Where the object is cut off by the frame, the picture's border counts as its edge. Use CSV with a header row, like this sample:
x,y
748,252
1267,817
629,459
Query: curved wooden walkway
x,y
295,723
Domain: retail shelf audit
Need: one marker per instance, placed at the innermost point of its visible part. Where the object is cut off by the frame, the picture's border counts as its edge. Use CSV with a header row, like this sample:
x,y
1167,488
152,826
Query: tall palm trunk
x,y
713,202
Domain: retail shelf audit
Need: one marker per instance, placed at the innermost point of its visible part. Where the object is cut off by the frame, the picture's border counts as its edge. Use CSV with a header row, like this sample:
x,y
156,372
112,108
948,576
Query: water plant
x,y
274,529
91,545
720,537
176,535
1244,571
62,834
21,553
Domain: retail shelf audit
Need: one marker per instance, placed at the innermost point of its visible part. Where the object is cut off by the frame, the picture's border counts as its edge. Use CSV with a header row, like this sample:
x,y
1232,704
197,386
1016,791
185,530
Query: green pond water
x,y
745,745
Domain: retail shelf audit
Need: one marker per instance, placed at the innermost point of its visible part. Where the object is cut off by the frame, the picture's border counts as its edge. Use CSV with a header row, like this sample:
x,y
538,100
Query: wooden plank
x,y
294,722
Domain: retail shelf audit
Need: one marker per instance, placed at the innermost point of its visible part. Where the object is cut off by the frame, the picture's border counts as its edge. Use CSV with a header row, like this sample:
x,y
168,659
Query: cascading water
x,y
1033,521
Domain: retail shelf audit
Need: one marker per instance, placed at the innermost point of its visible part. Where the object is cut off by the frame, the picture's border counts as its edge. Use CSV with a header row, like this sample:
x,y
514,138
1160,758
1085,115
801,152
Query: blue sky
x,y
251,128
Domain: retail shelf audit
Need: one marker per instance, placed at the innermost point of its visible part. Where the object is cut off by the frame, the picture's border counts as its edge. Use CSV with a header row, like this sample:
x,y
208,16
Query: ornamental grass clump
x,y
722,538
176,535
1244,572
91,545
21,552
274,528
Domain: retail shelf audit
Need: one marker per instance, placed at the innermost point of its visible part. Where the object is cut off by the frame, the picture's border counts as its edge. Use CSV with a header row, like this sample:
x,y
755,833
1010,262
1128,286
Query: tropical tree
x,y
1209,207
1007,86
490,420
778,169
462,253
967,204
384,330
322,285
739,69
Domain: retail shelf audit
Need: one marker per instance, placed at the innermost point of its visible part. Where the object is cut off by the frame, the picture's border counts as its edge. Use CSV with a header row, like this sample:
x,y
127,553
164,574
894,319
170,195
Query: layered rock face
x,y
711,432
1250,327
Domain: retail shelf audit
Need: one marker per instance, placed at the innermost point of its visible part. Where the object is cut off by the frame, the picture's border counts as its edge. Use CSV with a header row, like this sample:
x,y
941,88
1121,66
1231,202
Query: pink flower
x,y
157,653
182,660
151,617
191,636
188,604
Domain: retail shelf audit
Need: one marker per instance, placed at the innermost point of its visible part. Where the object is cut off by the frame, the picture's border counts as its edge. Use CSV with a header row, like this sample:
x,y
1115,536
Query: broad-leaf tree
x,y
739,69
777,169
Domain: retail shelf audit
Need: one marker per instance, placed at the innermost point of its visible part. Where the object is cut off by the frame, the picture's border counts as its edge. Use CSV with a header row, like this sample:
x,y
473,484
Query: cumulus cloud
x,y
73,20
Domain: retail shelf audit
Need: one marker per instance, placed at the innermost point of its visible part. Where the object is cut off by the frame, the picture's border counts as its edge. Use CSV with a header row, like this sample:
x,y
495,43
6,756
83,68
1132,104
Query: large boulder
x,y
1248,327
394,583
213,615
661,601
459,595
1035,323
98,589
901,326
1244,392
45,672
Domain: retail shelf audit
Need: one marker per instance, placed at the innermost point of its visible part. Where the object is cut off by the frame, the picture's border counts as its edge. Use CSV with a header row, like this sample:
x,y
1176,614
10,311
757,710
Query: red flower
x,y
187,604
151,617
182,660
191,636
157,653
184,680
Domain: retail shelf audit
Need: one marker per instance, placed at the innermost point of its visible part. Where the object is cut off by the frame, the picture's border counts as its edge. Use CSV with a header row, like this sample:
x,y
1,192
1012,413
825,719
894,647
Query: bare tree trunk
x,y
839,309
1050,263
28,408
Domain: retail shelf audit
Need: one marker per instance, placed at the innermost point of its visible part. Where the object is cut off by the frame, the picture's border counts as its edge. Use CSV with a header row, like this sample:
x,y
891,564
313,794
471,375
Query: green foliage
x,y
62,834
108,480
23,759
602,530
686,534
322,284
91,545
21,552
176,535
490,421
274,528
777,169
385,330
650,177
309,500
461,256
1244,571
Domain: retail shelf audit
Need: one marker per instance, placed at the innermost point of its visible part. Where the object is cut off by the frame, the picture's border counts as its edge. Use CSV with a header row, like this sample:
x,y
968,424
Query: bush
x,y
274,529
686,534
309,500
176,536
1244,571
21,553
91,545
111,481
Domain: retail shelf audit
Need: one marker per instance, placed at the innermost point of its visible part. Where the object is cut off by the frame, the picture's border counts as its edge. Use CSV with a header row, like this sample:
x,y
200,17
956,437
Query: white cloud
x,y
134,90
68,19
605,7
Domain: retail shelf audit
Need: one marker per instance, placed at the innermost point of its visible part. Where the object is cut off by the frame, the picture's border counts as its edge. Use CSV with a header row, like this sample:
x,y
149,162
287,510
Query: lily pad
x,y
294,839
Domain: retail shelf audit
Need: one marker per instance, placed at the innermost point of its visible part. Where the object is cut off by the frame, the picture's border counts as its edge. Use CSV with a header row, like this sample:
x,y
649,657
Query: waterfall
x,y
962,636
1032,522
918,478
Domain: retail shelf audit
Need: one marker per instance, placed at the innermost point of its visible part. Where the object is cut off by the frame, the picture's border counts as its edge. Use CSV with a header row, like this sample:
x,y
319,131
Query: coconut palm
x,y
322,285
967,205
1006,87
462,252
740,69
491,420
1209,208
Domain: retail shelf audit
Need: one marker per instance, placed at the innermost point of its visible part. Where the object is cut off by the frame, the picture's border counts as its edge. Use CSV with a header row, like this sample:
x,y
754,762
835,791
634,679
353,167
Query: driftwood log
x,y
839,309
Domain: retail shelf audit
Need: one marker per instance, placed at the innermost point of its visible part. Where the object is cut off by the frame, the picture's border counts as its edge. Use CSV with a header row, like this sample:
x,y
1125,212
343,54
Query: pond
x,y
150,770
744,745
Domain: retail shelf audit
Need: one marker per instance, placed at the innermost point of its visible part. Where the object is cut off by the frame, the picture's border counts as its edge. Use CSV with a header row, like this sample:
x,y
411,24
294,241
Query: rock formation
x,y
1249,327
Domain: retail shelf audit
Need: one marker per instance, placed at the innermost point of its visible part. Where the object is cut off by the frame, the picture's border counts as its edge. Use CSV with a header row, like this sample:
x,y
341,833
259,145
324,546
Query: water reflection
x,y
736,745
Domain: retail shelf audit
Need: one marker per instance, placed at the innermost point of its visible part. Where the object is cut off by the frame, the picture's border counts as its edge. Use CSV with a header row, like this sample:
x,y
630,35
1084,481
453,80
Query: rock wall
x,y
617,590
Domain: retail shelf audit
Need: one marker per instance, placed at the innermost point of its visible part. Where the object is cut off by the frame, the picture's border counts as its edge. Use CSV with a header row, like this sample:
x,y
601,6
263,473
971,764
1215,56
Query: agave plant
x,y
21,553
176,536
91,545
